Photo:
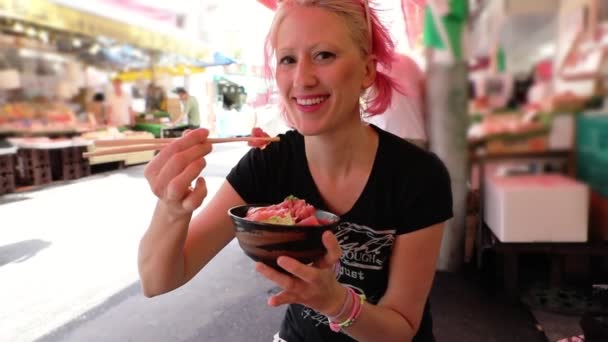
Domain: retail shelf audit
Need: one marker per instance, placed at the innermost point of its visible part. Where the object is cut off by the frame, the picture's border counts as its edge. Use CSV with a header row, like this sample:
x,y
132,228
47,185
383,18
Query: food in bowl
x,y
265,237
291,212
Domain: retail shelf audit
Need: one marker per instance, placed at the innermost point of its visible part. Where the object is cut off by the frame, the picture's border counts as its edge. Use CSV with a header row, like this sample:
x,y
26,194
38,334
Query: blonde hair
x,y
367,33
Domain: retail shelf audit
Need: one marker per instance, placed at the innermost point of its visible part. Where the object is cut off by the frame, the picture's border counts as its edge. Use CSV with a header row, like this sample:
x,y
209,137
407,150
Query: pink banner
x,y
413,14
272,4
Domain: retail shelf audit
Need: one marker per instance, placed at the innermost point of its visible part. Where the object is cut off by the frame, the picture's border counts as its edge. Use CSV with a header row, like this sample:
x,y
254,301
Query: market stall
x,y
56,63
538,156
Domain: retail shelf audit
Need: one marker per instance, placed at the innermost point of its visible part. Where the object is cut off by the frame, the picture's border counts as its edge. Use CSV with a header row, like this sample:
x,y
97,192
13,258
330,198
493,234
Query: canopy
x,y
49,14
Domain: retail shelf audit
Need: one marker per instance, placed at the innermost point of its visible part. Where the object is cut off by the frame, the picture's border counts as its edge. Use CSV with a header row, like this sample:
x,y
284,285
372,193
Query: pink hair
x,y
378,42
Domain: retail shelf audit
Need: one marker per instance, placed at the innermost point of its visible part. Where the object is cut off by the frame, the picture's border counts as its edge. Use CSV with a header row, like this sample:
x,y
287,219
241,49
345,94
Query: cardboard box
x,y
537,208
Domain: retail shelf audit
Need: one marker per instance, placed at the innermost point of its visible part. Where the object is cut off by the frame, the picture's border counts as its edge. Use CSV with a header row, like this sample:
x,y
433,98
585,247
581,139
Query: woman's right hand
x,y
171,173
259,133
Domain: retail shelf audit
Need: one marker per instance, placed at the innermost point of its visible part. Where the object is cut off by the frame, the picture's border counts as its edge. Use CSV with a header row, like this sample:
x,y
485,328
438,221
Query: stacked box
x,y
537,208
7,174
69,164
33,166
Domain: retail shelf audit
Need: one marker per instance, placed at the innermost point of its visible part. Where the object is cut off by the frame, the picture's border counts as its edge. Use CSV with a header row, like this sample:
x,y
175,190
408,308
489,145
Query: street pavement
x,y
68,268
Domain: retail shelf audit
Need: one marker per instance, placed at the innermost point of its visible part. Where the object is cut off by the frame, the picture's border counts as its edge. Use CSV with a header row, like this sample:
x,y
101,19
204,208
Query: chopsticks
x,y
119,146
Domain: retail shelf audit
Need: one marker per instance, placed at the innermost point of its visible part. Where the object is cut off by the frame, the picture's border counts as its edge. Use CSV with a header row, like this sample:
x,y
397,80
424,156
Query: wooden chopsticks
x,y
119,146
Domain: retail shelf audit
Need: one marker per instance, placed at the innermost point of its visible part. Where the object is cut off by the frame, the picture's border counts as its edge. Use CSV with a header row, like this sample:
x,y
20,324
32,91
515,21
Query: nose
x,y
305,76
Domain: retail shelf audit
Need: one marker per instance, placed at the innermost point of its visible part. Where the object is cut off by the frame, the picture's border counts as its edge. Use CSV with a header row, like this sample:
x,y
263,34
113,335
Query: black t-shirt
x,y
408,189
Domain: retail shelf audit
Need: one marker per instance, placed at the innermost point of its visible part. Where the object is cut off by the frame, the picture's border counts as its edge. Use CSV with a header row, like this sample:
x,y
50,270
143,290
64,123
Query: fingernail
x,y
280,261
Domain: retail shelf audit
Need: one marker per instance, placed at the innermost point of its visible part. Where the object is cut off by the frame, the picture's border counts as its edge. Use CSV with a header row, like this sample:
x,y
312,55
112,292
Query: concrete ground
x,y
68,273
68,268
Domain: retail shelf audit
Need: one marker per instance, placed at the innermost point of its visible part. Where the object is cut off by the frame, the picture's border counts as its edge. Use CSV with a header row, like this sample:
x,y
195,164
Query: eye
x,y
287,60
324,55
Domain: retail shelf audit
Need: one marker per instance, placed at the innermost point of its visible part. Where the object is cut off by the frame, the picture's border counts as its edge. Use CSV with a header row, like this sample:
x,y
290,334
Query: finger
x,y
178,187
196,197
258,132
286,282
334,252
186,132
180,161
154,166
195,137
175,166
282,298
257,144
298,269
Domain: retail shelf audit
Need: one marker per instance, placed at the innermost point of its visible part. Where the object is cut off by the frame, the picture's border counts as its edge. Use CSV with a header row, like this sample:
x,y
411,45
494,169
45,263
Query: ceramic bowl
x,y
265,242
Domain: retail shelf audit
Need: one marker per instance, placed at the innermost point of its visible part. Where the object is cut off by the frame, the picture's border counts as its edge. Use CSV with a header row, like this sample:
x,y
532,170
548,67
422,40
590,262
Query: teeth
x,y
310,102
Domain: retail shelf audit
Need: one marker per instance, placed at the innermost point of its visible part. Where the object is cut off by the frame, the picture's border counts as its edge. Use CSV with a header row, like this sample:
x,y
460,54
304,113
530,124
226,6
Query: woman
x,y
392,196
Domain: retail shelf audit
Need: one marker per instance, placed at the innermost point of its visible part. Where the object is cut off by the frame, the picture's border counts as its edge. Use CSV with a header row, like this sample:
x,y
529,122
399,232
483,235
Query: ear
x,y
370,72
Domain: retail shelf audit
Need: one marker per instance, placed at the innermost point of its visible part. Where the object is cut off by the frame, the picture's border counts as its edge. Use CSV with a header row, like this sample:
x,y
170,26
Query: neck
x,y
336,154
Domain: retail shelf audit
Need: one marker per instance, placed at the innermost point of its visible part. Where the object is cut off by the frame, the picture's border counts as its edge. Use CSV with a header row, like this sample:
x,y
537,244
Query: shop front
x,y
56,66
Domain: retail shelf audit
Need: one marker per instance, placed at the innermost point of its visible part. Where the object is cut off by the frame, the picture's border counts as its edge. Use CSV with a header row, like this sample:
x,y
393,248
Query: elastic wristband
x,y
345,305
337,269
354,314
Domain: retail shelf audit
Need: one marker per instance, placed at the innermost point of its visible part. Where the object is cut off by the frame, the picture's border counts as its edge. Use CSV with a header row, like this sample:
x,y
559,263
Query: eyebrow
x,y
315,46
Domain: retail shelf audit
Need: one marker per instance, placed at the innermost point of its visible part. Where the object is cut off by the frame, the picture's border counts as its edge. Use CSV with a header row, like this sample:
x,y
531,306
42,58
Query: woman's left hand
x,y
314,286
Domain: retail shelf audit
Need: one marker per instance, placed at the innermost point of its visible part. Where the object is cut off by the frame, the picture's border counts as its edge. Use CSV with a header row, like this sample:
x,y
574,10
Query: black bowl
x,y
265,242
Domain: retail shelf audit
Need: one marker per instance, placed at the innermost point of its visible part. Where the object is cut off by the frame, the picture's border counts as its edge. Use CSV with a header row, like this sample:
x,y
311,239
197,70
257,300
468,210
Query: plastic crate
x,y
7,174
75,171
592,151
68,163
33,167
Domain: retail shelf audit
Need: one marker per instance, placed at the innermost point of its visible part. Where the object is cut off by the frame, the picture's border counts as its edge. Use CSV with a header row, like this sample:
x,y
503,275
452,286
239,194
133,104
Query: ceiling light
x,y
44,36
30,31
94,49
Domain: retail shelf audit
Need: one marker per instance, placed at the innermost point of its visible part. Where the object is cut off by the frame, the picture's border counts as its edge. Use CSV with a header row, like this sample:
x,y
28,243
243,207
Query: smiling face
x,y
320,70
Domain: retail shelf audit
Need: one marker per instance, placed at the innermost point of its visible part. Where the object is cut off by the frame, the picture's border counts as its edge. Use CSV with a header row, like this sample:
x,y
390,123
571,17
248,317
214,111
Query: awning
x,y
147,74
218,59
54,16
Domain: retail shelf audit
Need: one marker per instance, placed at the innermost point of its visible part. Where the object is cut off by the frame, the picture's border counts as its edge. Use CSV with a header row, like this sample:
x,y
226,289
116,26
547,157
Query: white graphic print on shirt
x,y
364,247
364,250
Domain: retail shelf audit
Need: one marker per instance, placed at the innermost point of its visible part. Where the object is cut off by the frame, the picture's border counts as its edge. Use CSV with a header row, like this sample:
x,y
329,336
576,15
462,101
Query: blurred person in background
x,y
156,99
119,106
97,111
190,113
405,117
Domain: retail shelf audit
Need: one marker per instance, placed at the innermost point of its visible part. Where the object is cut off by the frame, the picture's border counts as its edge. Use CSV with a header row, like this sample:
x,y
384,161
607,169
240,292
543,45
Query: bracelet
x,y
337,269
354,314
344,307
